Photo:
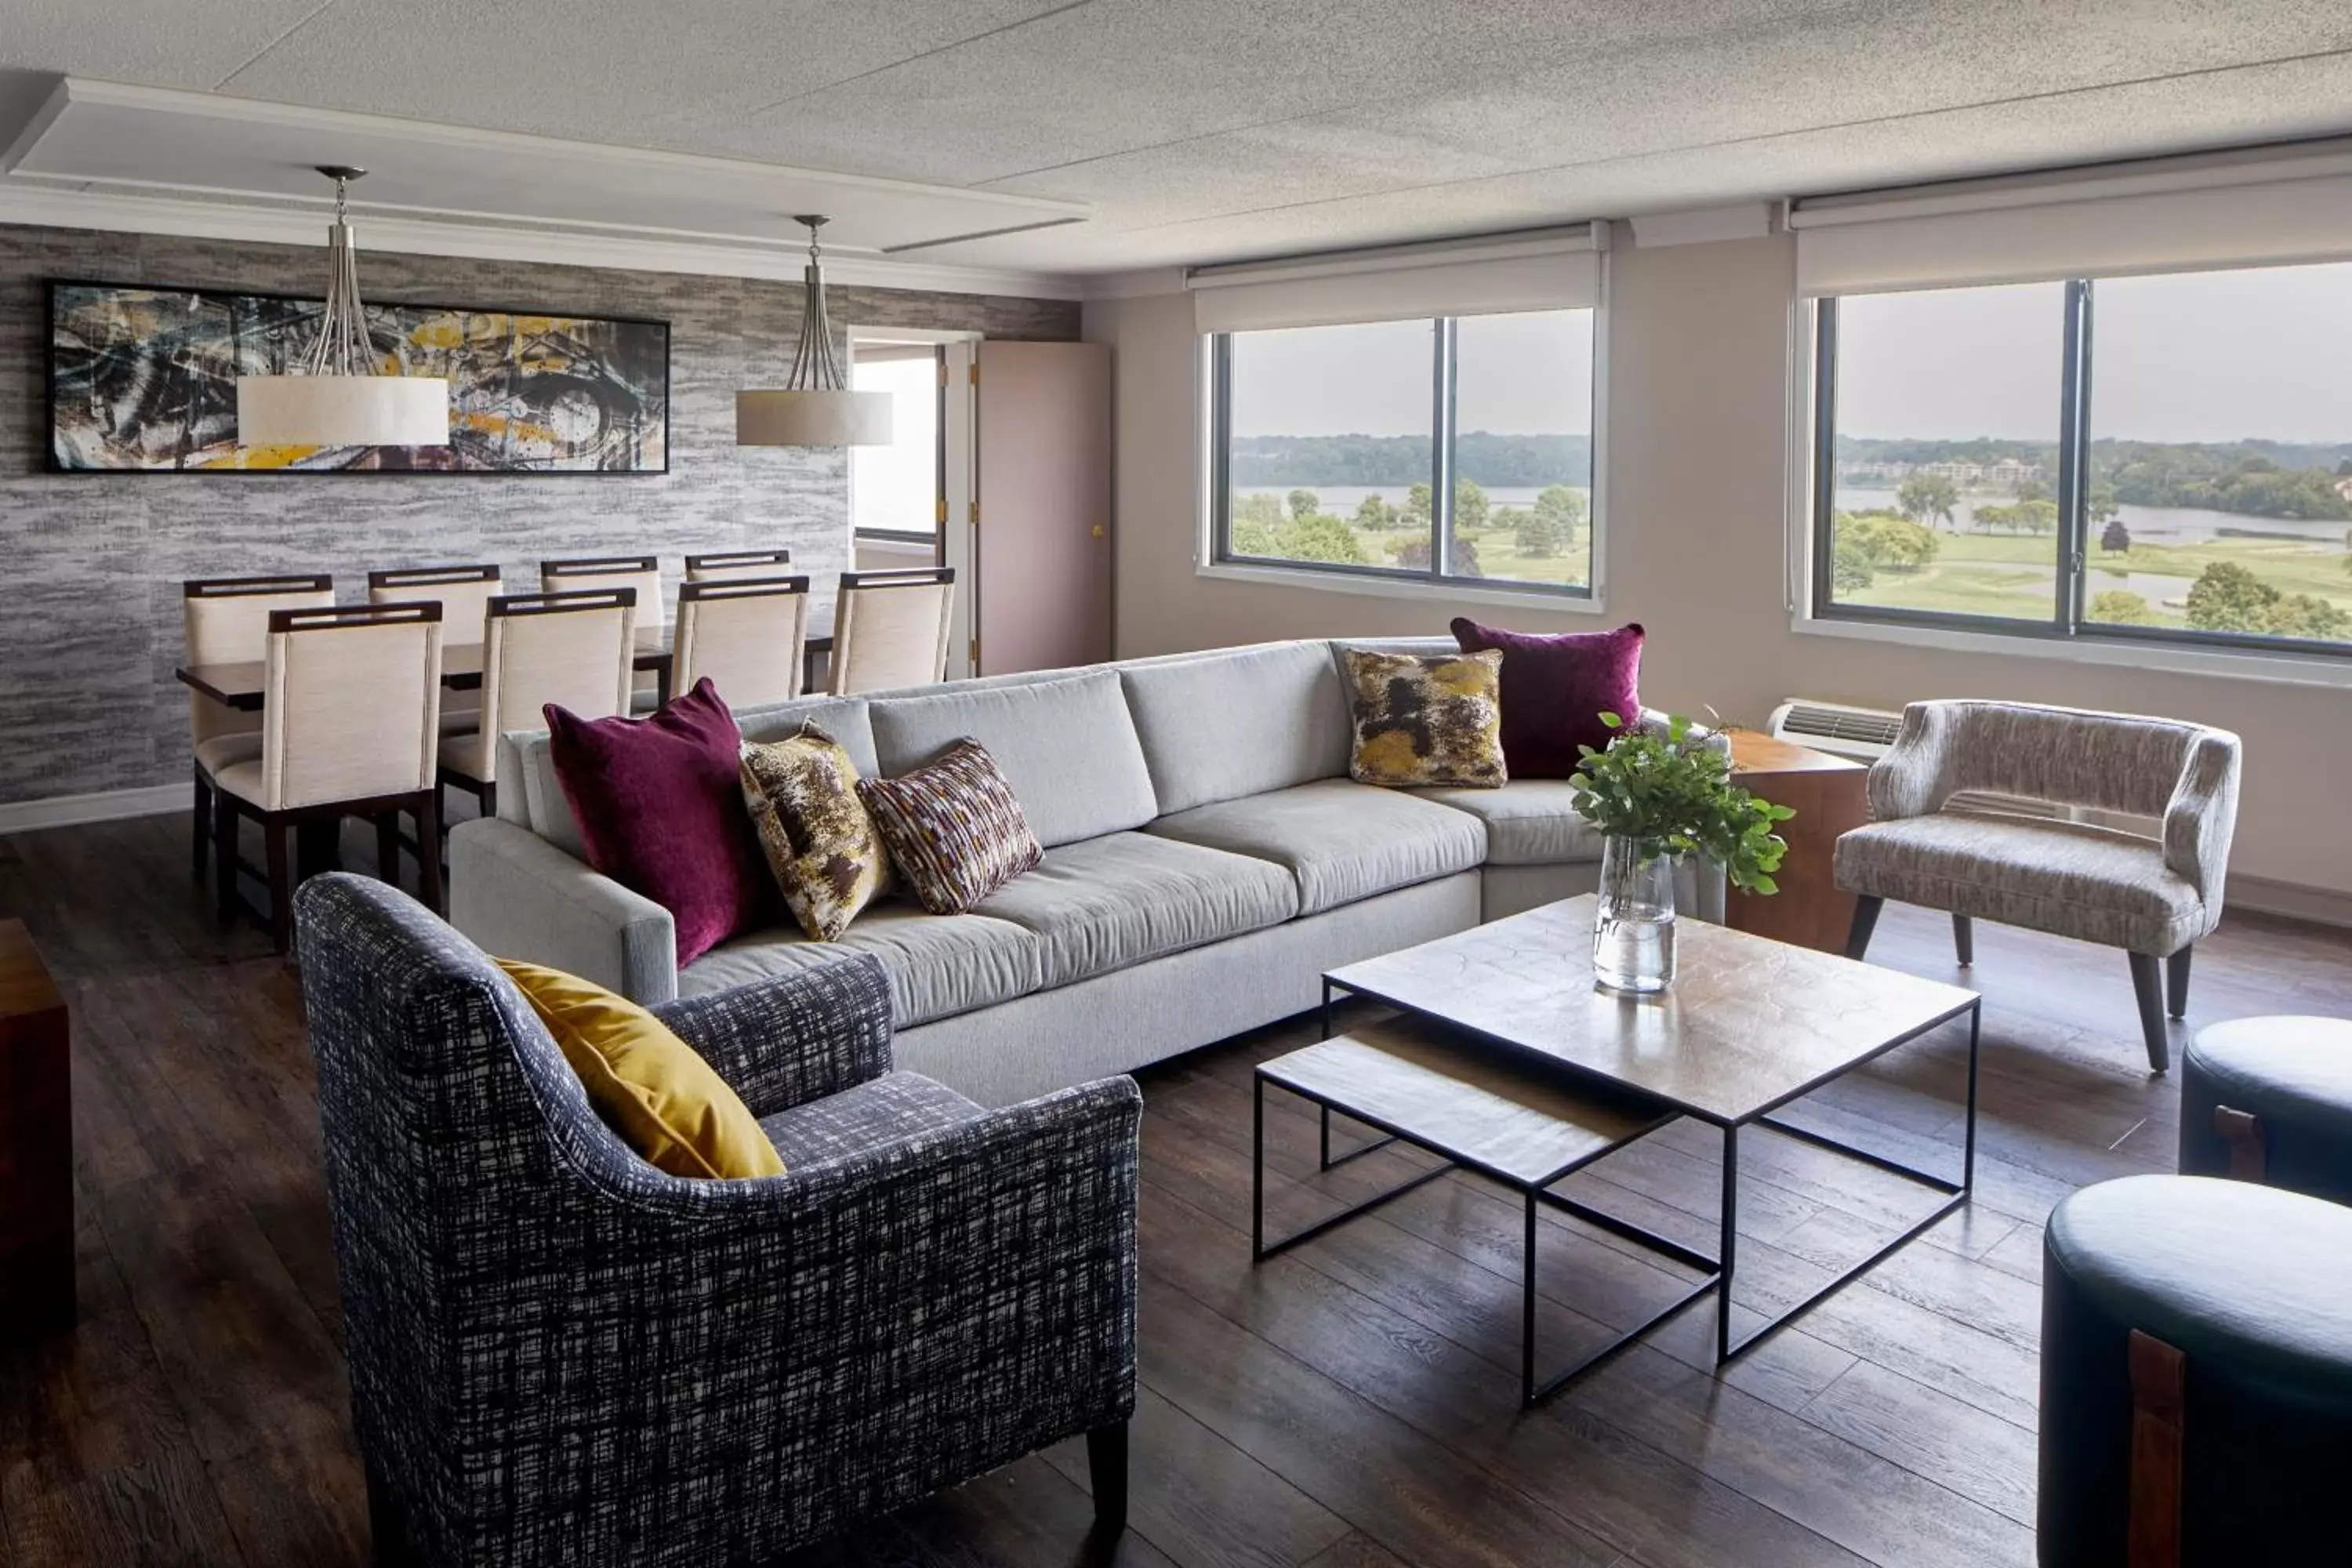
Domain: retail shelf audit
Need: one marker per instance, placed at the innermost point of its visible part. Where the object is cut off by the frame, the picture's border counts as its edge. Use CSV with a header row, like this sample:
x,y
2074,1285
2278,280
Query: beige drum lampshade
x,y
342,411
813,418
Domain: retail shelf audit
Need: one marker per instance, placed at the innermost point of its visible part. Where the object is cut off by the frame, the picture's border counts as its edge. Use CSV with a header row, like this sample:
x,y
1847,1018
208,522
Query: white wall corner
x,y
1703,225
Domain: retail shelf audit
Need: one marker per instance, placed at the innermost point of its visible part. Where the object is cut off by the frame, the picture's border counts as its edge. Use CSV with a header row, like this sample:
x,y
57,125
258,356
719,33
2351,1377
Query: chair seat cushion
x,y
1105,903
223,751
939,965
243,779
1342,841
2068,878
1529,822
878,1111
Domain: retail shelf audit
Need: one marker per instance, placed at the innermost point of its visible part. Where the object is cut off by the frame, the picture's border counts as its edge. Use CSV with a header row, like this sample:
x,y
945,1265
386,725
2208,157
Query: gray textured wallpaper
x,y
90,604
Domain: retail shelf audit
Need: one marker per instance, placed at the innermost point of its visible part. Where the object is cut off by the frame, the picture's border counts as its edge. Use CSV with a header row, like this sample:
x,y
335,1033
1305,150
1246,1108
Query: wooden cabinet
x,y
1828,797
37,1226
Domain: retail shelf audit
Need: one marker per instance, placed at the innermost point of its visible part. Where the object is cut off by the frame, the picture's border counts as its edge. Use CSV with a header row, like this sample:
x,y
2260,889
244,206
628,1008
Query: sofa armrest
x,y
1911,779
2201,817
791,1038
518,896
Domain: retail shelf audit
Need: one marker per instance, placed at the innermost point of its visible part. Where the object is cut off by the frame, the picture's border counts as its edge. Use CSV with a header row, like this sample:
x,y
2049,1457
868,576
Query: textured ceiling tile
x,y
675,75
155,45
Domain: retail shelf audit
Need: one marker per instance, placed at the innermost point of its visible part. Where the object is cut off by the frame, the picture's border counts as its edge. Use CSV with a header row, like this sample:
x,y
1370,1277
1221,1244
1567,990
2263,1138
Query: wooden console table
x,y
1829,796
37,1223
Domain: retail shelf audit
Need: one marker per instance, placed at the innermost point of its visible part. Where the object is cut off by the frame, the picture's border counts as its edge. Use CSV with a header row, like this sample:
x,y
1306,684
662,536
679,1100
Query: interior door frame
x,y
959,468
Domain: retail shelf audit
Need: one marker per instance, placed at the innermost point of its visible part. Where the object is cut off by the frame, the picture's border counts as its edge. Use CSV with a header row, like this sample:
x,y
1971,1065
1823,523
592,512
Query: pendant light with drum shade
x,y
339,396
814,407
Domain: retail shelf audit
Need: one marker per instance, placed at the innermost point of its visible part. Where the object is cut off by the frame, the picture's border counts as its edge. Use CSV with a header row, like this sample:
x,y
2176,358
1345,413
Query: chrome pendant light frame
x,y
816,406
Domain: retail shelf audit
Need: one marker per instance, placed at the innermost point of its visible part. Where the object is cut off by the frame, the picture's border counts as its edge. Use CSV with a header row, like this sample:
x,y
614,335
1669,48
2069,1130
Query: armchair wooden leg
x,y
1865,921
388,1523
2175,982
1107,1470
200,824
281,883
1964,939
2148,984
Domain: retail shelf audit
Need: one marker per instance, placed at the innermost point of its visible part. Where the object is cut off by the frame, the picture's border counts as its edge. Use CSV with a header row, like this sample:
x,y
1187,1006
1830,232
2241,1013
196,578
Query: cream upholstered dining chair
x,y
225,620
2154,895
733,563
746,634
642,572
350,722
464,593
890,628
578,649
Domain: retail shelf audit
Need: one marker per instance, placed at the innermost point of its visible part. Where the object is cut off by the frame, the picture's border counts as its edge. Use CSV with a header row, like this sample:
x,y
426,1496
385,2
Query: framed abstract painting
x,y
143,380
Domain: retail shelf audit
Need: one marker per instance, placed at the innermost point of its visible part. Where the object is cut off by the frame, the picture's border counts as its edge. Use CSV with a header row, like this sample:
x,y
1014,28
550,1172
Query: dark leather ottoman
x,y
2270,1099
2195,1377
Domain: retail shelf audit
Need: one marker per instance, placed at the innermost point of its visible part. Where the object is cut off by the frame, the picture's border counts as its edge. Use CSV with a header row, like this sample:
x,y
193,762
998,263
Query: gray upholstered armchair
x,y
2152,897
560,1354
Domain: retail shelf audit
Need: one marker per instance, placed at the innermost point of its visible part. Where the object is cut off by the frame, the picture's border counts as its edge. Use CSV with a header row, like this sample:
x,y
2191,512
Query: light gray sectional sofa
x,y
1206,858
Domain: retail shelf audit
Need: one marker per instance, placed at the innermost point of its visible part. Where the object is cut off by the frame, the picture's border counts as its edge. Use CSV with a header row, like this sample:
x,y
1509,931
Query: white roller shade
x,y
2158,217
1557,270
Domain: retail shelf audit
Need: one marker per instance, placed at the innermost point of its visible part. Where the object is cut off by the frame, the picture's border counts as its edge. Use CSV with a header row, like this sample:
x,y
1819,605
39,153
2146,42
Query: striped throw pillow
x,y
954,830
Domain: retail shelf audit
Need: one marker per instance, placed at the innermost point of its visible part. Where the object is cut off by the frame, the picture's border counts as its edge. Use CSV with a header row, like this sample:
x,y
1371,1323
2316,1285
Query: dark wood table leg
x,y
36,1221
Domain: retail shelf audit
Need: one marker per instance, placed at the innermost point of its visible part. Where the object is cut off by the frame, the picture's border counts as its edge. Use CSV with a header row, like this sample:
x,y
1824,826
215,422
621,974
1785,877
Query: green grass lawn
x,y
2014,575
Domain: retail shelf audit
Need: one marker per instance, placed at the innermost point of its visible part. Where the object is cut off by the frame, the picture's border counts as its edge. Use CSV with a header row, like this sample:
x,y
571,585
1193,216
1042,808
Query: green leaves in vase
x,y
1673,795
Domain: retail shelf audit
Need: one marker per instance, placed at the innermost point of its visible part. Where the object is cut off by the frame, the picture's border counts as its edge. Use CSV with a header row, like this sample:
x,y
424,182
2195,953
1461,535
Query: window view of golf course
x,y
2218,494
1331,449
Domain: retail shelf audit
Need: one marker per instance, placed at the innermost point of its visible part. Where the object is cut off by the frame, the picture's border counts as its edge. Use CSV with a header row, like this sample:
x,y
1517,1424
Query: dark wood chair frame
x,y
597,566
569,600
727,560
430,576
742,588
201,827
281,871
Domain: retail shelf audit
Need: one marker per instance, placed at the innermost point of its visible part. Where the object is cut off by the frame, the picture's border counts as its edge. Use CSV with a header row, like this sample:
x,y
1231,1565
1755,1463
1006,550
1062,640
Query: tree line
x,y
1504,461
2285,479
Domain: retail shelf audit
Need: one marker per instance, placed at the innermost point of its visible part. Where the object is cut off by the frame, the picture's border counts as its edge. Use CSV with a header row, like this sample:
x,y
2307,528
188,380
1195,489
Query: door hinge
x,y
943,510
975,653
975,514
975,374
943,373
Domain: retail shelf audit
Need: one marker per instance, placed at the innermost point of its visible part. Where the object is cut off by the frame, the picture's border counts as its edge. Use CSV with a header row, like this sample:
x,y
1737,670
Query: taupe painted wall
x,y
1697,456
90,604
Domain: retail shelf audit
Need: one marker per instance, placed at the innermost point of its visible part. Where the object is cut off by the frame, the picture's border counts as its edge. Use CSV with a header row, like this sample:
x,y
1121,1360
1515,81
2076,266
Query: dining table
x,y
242,684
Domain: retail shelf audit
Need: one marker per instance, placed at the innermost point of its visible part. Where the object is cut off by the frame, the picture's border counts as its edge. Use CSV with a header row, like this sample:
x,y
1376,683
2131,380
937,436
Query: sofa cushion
x,y
1220,725
939,965
1529,822
1340,840
1067,747
822,844
1424,718
955,831
2069,878
1556,686
530,795
878,1111
1105,903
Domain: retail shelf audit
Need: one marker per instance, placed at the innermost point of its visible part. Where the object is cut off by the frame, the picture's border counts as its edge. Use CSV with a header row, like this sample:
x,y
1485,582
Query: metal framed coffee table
x,y
1508,1061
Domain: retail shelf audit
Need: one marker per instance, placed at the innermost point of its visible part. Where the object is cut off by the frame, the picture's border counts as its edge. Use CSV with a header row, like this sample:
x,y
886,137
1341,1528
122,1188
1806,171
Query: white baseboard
x,y
110,806
2322,906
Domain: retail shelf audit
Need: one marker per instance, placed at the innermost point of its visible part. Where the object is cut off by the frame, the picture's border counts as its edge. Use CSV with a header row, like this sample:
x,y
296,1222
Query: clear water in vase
x,y
1634,927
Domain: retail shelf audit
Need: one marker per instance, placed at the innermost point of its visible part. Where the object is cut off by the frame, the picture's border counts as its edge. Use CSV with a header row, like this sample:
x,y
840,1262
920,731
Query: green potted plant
x,y
1658,798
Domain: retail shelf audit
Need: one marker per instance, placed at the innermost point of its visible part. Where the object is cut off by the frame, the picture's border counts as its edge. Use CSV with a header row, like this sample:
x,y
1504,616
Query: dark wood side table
x,y
1829,796
37,1223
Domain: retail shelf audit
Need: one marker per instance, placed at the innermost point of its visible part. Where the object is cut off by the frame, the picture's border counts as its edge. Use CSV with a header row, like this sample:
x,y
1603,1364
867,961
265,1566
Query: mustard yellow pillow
x,y
1425,719
662,1099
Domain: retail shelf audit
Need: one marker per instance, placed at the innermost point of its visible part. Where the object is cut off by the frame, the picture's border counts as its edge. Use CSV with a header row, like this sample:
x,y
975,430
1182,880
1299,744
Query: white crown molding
x,y
22,202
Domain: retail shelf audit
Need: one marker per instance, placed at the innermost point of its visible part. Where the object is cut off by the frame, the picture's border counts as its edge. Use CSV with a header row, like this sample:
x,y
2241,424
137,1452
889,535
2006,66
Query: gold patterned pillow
x,y
820,843
1425,719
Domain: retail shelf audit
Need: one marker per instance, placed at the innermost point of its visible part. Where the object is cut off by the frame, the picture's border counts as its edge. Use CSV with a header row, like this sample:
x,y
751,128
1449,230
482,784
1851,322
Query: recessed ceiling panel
x,y
172,142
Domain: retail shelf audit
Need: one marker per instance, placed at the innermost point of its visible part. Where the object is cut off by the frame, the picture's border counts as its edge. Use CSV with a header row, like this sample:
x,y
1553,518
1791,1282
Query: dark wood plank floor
x,y
1351,1404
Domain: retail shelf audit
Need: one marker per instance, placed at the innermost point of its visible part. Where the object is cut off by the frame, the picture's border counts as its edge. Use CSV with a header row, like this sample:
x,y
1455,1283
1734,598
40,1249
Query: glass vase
x,y
1634,927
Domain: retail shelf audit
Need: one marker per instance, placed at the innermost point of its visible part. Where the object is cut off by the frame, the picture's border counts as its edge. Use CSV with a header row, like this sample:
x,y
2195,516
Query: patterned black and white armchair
x,y
561,1355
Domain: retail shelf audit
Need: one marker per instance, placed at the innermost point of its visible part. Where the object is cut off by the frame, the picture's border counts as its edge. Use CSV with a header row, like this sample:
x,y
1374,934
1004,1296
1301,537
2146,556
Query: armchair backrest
x,y
2066,756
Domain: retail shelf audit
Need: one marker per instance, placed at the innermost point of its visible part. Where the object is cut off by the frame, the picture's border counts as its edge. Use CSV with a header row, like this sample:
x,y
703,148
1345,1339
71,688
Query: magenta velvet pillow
x,y
659,802
1555,686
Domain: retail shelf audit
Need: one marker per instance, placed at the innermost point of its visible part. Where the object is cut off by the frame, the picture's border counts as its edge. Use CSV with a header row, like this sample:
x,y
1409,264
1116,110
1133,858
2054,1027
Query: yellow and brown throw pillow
x,y
820,842
1425,719
653,1088
955,829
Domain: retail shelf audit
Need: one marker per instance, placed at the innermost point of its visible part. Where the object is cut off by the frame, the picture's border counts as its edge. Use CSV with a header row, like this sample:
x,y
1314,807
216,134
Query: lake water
x,y
2148,524
1343,500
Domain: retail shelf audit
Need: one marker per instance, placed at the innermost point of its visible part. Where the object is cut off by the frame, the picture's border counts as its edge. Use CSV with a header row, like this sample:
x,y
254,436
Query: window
x,y
2154,458
1451,450
895,489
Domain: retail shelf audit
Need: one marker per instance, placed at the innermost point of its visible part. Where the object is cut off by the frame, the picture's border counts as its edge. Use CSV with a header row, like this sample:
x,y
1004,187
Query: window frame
x,y
2068,625
1444,370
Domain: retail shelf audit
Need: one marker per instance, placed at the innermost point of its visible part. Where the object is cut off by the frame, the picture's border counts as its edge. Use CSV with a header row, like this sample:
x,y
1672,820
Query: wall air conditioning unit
x,y
1867,734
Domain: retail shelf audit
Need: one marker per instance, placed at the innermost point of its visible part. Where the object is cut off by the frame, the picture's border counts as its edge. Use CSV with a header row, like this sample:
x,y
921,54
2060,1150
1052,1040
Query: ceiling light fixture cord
x,y
815,367
342,346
